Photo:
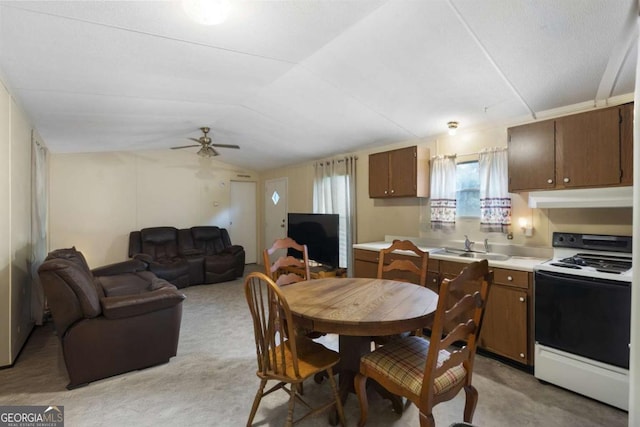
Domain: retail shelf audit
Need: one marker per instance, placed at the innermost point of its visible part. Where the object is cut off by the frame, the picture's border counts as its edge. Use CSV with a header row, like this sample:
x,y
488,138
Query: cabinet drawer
x,y
515,278
365,255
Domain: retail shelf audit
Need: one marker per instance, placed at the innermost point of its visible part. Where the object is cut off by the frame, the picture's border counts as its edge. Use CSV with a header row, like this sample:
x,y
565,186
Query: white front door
x,y
275,210
243,216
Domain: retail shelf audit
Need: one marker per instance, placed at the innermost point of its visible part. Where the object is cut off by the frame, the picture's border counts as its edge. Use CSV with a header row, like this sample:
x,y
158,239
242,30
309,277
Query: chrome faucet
x,y
486,245
467,243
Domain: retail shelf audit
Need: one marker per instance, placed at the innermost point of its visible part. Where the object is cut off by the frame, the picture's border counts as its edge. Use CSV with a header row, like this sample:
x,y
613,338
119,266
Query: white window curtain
x,y
443,192
39,203
495,201
334,191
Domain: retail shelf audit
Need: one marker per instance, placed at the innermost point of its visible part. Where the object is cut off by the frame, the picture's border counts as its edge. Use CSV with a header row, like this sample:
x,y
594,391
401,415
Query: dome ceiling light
x,y
207,12
453,127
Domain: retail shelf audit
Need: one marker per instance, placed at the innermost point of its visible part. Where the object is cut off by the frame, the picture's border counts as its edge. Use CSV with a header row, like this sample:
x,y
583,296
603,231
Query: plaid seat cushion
x,y
403,360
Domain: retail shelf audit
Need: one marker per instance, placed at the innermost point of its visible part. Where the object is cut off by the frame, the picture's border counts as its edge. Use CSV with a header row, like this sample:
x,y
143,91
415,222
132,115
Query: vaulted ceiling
x,y
290,81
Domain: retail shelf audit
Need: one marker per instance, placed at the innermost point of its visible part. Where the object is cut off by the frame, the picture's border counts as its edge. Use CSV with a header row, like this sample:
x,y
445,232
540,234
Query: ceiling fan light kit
x,y
206,146
207,152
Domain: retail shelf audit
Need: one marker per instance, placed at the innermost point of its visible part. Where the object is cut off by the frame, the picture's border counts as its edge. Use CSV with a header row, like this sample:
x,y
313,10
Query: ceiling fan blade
x,y
195,139
226,145
184,146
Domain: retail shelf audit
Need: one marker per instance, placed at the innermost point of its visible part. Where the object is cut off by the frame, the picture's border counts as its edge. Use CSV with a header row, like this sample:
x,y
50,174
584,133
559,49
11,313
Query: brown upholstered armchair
x,y
121,319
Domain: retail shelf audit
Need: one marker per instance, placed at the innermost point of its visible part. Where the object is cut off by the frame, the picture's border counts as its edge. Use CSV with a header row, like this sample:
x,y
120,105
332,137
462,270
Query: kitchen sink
x,y
484,255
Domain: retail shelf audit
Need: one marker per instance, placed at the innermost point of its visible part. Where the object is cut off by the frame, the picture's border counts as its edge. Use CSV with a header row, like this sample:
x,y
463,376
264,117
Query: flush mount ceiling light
x,y
207,12
453,127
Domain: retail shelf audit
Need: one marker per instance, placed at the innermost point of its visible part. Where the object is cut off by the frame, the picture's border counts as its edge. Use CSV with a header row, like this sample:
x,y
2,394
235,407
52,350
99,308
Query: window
x,y
468,190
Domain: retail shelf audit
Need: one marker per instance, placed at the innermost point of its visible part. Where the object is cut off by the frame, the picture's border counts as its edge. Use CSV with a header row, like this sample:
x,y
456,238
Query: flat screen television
x,y
320,233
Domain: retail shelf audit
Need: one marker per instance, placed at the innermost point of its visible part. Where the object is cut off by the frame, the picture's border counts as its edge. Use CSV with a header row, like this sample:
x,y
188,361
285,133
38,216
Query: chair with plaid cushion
x,y
428,372
402,270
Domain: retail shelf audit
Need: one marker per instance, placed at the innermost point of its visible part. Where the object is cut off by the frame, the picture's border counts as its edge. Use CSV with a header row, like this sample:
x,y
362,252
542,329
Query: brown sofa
x,y
189,256
110,320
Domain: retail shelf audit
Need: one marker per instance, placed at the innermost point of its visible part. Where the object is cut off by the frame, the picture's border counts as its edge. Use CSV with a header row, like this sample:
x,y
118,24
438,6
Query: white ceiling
x,y
291,81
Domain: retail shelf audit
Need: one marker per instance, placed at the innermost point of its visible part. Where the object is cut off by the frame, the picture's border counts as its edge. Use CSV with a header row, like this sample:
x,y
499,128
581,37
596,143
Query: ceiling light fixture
x,y
453,127
207,12
206,151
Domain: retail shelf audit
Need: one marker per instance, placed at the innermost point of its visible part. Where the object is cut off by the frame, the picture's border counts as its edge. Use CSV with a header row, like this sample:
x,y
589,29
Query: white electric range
x,y
582,311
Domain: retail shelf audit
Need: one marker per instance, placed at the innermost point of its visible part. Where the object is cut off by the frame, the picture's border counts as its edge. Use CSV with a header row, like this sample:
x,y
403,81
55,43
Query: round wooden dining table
x,y
357,309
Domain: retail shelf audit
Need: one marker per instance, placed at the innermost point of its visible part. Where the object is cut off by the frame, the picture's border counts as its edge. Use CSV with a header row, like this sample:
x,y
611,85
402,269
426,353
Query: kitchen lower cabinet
x,y
507,328
366,265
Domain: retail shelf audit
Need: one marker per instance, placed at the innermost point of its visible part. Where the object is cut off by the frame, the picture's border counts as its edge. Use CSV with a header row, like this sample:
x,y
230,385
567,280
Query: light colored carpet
x,y
212,382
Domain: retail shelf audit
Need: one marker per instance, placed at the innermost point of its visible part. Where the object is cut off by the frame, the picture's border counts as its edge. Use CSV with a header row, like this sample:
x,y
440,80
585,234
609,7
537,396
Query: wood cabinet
x,y
532,156
399,173
626,143
590,149
506,328
508,322
366,265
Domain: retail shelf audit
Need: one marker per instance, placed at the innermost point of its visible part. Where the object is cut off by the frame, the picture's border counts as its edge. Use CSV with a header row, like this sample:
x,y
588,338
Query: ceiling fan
x,y
206,146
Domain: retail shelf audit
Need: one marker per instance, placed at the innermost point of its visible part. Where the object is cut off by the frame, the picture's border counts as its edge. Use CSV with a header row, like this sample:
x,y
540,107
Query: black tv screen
x,y
320,233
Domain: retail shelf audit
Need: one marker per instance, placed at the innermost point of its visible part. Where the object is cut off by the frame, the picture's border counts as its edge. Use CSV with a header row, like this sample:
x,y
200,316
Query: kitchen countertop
x,y
514,263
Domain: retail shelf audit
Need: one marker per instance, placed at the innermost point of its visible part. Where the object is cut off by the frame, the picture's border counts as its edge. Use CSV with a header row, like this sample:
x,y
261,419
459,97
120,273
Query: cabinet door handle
x,y
521,299
386,192
522,355
434,280
393,191
549,181
510,278
566,180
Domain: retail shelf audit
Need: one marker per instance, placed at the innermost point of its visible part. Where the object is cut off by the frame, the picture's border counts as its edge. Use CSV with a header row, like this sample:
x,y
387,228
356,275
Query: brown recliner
x,y
121,320
223,261
158,248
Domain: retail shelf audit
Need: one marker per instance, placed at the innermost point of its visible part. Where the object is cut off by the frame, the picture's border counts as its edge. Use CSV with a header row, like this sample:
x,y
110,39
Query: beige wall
x,y
15,228
96,199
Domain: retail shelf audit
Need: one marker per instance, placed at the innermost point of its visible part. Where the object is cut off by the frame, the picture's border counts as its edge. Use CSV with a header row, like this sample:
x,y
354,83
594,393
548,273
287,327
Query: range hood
x,y
609,197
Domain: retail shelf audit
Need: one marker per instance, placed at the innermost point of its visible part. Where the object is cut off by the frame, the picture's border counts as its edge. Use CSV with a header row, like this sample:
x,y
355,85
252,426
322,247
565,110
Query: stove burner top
x,y
603,263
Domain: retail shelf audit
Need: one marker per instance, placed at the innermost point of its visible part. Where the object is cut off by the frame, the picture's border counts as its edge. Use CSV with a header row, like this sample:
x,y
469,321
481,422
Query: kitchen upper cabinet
x,y
626,143
591,149
399,173
532,156
588,149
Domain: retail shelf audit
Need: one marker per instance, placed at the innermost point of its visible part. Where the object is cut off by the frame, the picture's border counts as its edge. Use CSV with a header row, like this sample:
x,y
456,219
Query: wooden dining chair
x,y
402,269
289,361
428,372
286,269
